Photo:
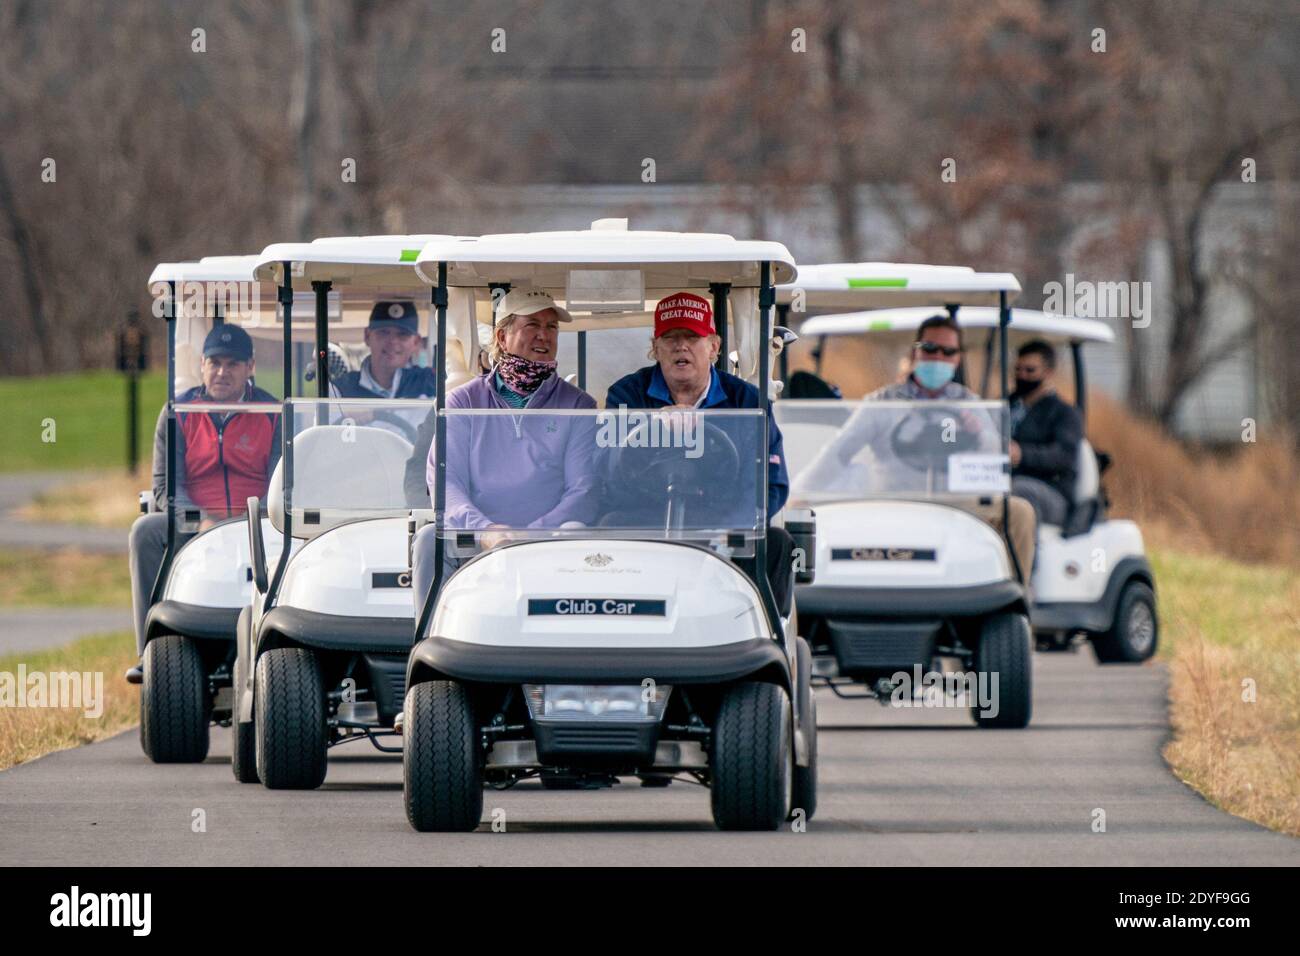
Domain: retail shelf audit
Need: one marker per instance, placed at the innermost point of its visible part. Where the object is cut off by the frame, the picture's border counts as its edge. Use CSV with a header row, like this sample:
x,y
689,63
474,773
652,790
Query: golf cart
x,y
202,582
322,648
1091,576
908,580
616,643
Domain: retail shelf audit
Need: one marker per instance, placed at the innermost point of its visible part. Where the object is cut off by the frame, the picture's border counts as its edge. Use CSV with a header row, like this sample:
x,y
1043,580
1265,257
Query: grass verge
x,y
30,732
105,499
65,422
65,578
1231,635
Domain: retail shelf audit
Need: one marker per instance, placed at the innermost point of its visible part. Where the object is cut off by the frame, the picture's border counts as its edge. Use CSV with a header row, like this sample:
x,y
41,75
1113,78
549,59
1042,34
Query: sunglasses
x,y
933,348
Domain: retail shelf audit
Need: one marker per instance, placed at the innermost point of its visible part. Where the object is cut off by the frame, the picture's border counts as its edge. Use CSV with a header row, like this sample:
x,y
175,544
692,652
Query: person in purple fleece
x,y
515,472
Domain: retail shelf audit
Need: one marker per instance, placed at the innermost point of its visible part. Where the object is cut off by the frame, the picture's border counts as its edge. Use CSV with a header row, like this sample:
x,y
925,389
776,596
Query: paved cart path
x,y
897,787
18,489
40,628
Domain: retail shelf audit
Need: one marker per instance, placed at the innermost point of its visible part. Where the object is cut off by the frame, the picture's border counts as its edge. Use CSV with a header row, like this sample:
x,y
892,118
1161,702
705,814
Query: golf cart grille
x,y
882,645
571,739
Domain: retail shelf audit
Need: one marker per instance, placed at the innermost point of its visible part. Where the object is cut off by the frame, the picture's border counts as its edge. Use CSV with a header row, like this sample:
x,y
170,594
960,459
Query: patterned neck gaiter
x,y
523,375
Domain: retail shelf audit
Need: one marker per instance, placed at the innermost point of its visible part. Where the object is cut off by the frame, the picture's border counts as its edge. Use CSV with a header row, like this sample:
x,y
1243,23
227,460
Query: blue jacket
x,y
415,381
646,388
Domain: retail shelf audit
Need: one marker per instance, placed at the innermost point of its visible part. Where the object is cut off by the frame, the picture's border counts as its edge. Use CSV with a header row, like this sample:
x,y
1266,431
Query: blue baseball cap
x,y
395,315
229,340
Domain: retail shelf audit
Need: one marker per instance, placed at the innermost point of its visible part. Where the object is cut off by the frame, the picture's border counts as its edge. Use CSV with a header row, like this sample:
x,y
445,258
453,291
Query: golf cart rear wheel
x,y
243,736
804,796
752,753
1134,633
174,703
1006,654
443,785
289,719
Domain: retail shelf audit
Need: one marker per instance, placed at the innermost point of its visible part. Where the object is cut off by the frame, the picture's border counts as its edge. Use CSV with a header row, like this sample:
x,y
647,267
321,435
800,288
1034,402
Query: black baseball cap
x,y
229,340
395,315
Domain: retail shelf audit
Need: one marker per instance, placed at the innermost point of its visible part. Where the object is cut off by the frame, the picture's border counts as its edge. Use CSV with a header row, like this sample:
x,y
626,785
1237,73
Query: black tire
x,y
804,795
243,737
175,705
1135,632
441,765
751,754
289,720
1005,649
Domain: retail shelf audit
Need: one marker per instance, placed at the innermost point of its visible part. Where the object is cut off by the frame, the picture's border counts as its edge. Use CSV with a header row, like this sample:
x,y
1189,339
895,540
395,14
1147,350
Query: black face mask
x,y
1026,386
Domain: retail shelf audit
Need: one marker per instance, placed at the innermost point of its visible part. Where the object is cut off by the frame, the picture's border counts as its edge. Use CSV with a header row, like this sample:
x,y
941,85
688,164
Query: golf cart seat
x,y
372,483
1086,507
458,370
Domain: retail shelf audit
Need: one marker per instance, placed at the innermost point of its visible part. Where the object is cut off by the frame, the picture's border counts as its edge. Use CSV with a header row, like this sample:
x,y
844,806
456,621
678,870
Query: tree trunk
x,y
29,273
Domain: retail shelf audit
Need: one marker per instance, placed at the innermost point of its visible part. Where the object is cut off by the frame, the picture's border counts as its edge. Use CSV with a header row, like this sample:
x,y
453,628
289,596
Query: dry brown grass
x,y
106,499
1245,504
1232,635
27,733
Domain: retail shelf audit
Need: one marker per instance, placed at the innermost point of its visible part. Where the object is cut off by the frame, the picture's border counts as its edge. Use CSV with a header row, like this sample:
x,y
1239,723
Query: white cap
x,y
526,302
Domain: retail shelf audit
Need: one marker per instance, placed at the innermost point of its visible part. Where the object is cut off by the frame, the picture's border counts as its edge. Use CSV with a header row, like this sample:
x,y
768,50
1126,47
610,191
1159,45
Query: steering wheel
x,y
650,472
920,439
408,430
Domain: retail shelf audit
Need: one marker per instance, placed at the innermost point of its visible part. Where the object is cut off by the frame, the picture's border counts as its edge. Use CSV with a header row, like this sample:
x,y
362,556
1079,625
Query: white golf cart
x,y
908,574
202,582
322,649
616,642
1091,576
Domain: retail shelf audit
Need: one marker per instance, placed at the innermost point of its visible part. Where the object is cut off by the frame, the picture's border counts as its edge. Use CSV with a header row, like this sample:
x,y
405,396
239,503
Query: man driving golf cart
x,y
685,346
393,338
934,360
224,458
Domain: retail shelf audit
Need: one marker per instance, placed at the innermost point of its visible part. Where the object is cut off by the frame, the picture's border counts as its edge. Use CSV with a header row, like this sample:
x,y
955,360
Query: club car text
x,y
596,607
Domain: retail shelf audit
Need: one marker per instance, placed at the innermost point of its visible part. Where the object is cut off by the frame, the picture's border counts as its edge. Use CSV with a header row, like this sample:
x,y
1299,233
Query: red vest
x,y
226,465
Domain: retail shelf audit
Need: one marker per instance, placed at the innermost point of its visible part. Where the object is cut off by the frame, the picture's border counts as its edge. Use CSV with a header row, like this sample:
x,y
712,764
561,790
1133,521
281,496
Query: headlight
x,y
596,701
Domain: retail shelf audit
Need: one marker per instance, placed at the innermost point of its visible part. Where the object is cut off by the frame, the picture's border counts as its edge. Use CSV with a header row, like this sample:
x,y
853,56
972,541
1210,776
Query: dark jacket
x,y
1049,436
646,388
221,460
414,381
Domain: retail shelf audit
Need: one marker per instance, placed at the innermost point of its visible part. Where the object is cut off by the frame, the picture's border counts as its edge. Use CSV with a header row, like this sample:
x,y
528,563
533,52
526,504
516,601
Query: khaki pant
x,y
1020,514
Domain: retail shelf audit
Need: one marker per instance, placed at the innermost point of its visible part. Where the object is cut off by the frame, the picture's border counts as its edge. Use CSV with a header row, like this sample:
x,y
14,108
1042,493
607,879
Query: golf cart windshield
x,y
844,451
619,473
349,461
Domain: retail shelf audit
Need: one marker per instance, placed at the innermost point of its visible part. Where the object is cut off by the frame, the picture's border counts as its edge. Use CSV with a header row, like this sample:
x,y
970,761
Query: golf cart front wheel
x,y
1134,633
1004,666
443,775
174,703
752,756
289,719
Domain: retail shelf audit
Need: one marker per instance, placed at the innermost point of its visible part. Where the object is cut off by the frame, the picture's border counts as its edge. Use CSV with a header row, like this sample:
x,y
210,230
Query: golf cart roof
x,y
1041,324
207,269
669,261
847,285
376,261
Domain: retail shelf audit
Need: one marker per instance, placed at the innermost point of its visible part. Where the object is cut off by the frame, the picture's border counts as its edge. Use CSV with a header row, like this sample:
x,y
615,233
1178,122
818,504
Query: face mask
x,y
934,375
523,375
1026,386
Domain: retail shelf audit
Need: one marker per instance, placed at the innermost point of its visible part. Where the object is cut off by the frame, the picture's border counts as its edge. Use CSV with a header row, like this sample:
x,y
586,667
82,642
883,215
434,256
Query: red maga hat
x,y
684,310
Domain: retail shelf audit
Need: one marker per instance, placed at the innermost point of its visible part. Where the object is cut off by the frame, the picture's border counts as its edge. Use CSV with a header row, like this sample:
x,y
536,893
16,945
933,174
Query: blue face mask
x,y
934,375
